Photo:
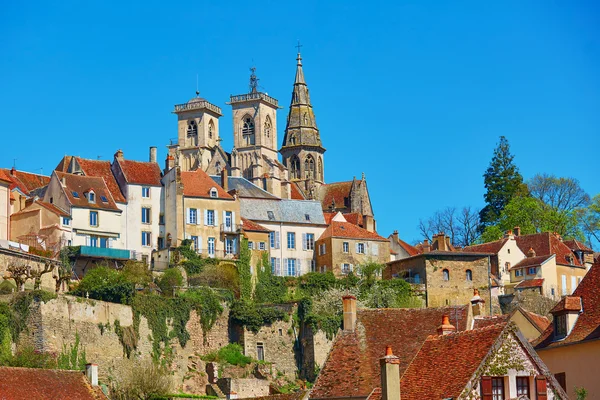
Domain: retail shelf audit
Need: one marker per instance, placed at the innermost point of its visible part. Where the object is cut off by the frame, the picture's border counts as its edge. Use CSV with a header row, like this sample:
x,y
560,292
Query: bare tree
x,y
23,269
468,222
562,194
460,226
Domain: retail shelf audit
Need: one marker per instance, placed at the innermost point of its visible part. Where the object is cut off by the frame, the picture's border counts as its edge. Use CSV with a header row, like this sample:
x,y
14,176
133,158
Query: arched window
x,y
293,139
248,130
213,192
446,274
309,167
211,128
469,275
305,118
295,167
192,128
268,127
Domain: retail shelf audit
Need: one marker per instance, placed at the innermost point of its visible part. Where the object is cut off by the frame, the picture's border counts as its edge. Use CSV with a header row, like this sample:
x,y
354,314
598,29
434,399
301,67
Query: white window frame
x,y
346,247
193,216
210,217
95,219
211,246
291,240
145,192
309,243
261,246
250,245
146,219
146,239
360,248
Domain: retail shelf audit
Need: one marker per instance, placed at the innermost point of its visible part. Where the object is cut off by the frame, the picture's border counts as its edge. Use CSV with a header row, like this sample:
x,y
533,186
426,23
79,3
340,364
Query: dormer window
x,y
560,326
214,193
92,197
270,215
75,194
104,199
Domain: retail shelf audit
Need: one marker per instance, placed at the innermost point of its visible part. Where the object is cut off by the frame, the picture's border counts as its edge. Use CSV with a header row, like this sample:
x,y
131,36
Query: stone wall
x,y
55,324
10,256
315,349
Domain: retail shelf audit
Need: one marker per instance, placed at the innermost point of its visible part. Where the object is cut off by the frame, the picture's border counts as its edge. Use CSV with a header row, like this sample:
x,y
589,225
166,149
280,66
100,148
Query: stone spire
x,y
302,150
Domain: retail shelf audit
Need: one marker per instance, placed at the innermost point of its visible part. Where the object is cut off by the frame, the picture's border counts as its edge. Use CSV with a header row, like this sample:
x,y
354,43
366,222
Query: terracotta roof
x,y
296,193
48,206
82,184
547,243
587,326
5,176
198,184
100,168
354,218
348,230
25,181
575,244
532,261
445,364
483,322
140,173
411,250
248,225
529,283
42,384
329,216
568,303
539,321
63,165
352,367
335,193
490,247
288,396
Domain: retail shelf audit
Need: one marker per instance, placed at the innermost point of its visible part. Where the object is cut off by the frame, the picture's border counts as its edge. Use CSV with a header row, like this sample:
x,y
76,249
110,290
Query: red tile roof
x,y
48,206
532,261
334,193
354,218
352,367
539,321
198,184
483,322
490,247
5,176
547,243
82,184
251,226
43,384
329,216
350,231
25,181
445,364
140,172
411,250
102,169
529,283
567,303
296,193
587,326
574,244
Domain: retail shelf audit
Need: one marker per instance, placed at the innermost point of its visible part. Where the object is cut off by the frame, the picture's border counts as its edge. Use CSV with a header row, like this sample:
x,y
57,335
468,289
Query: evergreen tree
x,y
502,181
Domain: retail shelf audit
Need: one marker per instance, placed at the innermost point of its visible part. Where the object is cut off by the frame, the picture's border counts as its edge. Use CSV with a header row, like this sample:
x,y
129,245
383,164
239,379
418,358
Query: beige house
x,y
570,346
258,241
343,246
50,224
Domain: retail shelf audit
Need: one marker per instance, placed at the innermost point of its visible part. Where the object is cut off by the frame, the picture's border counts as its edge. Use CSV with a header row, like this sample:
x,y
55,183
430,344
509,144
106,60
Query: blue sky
x,y
415,94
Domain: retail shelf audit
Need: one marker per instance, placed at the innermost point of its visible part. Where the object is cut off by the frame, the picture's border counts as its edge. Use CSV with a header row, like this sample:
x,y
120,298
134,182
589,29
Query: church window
x,y
192,128
268,127
293,139
305,119
446,275
320,169
295,167
248,130
211,128
309,167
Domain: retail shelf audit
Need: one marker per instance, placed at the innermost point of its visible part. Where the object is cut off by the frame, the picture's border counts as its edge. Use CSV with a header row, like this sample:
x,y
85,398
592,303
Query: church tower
x,y
302,150
197,133
254,154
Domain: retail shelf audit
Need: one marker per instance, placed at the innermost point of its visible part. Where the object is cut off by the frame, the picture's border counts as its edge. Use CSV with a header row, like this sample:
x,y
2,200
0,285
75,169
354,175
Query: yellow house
x,y
258,241
570,346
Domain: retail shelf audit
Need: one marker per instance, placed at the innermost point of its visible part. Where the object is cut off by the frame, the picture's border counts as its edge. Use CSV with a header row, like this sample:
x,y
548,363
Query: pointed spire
x,y
299,71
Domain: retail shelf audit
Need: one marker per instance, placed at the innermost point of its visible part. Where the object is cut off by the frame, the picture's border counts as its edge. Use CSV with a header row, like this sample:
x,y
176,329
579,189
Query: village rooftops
x,y
140,172
25,182
533,261
244,188
338,229
48,206
199,184
250,226
284,211
77,189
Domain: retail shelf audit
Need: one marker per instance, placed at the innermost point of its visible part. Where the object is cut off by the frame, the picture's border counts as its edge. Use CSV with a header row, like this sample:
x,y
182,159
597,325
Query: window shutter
x,y
375,249
541,388
199,249
351,267
486,388
285,266
205,217
187,215
216,218
277,240
278,266
110,242
298,267
233,220
87,240
224,216
234,240
356,247
304,241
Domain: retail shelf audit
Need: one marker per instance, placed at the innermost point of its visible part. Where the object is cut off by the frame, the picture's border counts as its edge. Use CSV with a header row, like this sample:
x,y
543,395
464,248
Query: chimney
x,y
169,163
224,179
446,326
531,252
12,171
119,155
517,230
390,375
91,372
439,242
509,234
395,235
349,303
426,246
477,304
152,154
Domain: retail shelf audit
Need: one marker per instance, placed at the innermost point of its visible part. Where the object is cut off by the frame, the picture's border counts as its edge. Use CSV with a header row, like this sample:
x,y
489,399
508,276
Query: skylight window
x,y
307,216
75,194
270,215
104,199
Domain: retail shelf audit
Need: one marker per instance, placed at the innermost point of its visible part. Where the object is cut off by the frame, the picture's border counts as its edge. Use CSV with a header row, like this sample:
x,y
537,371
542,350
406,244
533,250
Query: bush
x,y
170,279
233,354
28,357
269,288
314,283
207,303
254,317
137,273
223,276
103,283
143,380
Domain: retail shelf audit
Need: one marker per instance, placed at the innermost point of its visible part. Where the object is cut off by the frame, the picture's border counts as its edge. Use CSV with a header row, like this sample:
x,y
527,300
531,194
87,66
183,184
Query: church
x,y
298,175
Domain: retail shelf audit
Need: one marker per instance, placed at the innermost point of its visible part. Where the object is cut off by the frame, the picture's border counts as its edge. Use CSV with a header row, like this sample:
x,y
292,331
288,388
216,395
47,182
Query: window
x,y
248,130
273,264
446,274
322,249
291,267
552,291
497,388
346,247
104,242
518,272
573,283
66,221
260,352
93,218
251,245
270,215
309,243
561,378
210,217
295,166
94,241
564,284
560,326
145,215
360,248
104,199
291,240
192,129
508,251
272,239
161,219
531,270
309,167
228,219
523,386
146,239
346,268
213,193
211,128
307,217
211,246
92,197
313,266
469,275
75,194
161,243
229,246
192,216
145,192
261,246
195,241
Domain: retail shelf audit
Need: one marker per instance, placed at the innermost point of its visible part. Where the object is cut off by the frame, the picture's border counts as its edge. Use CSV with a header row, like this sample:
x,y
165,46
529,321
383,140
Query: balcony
x,y
230,228
253,96
197,104
104,252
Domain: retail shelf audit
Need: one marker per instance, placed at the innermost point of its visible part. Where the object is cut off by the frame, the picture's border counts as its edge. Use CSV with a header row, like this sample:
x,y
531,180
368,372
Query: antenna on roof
x,y
14,163
41,170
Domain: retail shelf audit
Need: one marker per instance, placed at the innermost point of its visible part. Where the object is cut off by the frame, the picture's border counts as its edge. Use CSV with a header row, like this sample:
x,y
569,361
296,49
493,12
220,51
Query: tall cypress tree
x,y
502,181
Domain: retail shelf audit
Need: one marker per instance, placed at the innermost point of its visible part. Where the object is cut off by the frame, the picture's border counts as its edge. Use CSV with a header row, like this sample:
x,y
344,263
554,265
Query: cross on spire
x,y
298,46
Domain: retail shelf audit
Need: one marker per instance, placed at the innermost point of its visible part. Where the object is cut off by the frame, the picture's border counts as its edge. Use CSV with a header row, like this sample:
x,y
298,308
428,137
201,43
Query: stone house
x,y
50,224
140,184
399,249
352,199
24,185
583,253
570,346
448,277
343,246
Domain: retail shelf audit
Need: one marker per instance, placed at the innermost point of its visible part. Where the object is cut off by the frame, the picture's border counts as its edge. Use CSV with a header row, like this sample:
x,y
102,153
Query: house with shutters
x,y
199,209
343,246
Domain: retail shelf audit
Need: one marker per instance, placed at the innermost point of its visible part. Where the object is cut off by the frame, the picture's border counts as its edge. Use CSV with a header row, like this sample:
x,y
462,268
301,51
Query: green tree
x,y
590,219
269,288
107,284
502,181
243,266
169,280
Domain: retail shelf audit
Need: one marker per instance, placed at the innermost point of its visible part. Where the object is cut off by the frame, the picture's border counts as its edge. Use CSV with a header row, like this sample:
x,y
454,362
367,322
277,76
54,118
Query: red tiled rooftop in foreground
x,y
334,193
44,384
198,184
530,283
140,173
25,181
81,184
102,169
567,303
490,247
545,244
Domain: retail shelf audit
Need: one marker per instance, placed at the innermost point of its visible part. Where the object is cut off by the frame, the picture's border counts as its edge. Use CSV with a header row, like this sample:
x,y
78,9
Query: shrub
x,y
137,273
254,317
233,354
144,380
269,288
170,279
28,357
103,283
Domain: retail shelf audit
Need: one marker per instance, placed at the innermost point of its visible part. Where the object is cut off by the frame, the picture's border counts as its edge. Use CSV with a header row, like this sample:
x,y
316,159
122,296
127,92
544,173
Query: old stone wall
x,y
315,347
7,257
55,324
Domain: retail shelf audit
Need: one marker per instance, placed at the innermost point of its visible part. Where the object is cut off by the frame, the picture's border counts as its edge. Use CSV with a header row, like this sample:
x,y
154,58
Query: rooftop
x,y
78,187
348,230
199,184
140,172
286,211
244,187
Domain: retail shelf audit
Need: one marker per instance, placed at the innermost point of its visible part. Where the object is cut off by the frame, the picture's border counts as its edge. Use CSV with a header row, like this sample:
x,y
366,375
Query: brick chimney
x,y
509,234
224,179
349,304
152,157
446,326
169,163
477,303
91,372
426,246
390,375
439,242
517,230
119,155
531,252
395,235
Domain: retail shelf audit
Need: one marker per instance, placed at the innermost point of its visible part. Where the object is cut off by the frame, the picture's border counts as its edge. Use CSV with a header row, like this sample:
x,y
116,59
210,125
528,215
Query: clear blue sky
x,y
414,94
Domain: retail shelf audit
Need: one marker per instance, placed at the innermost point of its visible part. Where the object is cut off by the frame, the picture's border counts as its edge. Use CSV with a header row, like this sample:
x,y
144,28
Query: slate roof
x,y
335,193
82,184
532,261
339,229
101,168
530,283
547,243
244,187
140,172
287,211
43,384
352,367
198,184
445,364
25,181
490,247
248,225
